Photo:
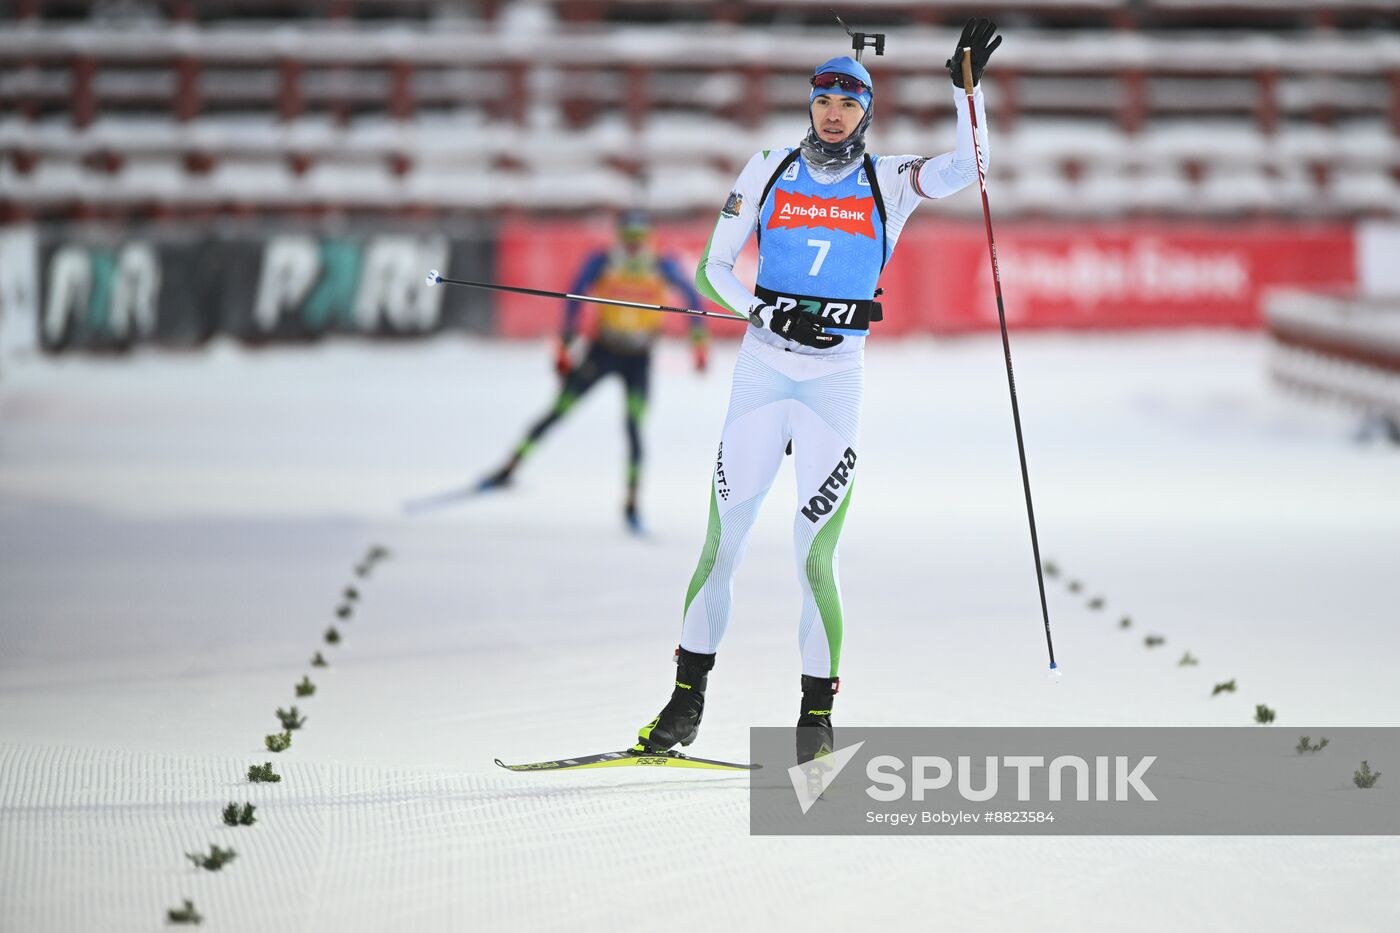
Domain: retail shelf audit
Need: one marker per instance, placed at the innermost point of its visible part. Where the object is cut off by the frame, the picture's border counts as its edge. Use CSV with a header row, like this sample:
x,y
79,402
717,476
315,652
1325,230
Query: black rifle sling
x,y
790,158
879,208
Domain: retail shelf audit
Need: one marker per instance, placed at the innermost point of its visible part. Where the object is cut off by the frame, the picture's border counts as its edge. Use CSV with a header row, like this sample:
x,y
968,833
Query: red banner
x,y
1054,276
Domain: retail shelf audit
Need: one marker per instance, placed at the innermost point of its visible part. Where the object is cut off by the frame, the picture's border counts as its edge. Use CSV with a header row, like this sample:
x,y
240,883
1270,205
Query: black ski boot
x,y
679,720
814,734
631,515
499,479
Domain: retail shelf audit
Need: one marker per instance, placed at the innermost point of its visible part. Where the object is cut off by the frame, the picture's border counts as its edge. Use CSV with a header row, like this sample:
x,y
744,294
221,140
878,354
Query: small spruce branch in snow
x,y
1096,603
1187,660
1125,622
278,741
306,688
263,772
351,594
1226,686
373,556
1052,569
186,914
1305,744
1263,715
1075,586
1154,641
342,611
234,815
1365,777
290,718
332,636
217,858
318,661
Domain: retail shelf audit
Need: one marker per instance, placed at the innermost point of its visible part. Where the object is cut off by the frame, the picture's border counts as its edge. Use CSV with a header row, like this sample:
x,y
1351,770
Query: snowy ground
x,y
175,532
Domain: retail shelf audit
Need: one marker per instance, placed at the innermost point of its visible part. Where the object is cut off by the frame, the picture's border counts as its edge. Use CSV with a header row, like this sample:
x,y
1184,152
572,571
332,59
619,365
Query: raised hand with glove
x,y
978,35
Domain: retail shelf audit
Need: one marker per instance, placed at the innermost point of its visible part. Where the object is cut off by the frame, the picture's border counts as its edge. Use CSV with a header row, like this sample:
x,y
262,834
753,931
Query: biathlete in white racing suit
x,y
827,216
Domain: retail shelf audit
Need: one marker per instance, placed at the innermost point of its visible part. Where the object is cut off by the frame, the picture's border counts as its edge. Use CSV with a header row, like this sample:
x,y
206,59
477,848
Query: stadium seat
x,y
59,181
357,183
690,188
578,189
1054,141
151,178
462,188
1163,189
1364,192
253,182
1209,141
1231,189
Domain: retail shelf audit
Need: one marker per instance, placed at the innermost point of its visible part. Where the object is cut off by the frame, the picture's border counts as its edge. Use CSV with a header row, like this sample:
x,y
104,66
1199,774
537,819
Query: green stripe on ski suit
x,y
702,281
565,402
636,406
707,556
823,580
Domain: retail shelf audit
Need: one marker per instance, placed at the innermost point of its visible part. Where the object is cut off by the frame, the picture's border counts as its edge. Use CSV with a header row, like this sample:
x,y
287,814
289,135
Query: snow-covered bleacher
x,y
268,105
1338,349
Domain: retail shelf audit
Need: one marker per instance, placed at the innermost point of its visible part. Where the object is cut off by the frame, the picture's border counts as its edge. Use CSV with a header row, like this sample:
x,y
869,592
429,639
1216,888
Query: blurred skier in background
x,y
827,215
621,343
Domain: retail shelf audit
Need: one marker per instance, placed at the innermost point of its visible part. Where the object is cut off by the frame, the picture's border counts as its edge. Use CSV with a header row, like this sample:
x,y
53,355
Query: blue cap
x,y
844,65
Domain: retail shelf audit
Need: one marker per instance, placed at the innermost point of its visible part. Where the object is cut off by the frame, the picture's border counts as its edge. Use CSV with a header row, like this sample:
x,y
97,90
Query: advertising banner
x,y
1109,276
99,293
1054,276
19,291
301,286
105,291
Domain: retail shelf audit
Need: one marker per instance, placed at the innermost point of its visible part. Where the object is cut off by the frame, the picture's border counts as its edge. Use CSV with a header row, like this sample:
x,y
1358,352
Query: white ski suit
x,y
822,235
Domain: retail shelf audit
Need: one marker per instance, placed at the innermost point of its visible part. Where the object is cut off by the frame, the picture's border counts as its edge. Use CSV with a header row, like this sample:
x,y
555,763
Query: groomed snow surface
x,y
176,532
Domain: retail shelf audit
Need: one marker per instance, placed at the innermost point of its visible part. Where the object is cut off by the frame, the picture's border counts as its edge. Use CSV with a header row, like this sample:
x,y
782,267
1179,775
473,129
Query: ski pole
x,y
1006,346
435,279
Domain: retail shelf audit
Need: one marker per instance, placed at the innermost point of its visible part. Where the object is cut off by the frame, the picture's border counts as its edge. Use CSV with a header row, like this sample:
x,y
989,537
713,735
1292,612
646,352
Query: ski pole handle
x,y
967,69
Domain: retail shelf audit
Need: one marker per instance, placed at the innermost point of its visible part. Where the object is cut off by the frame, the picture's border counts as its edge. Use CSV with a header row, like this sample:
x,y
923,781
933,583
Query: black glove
x,y
977,34
794,325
